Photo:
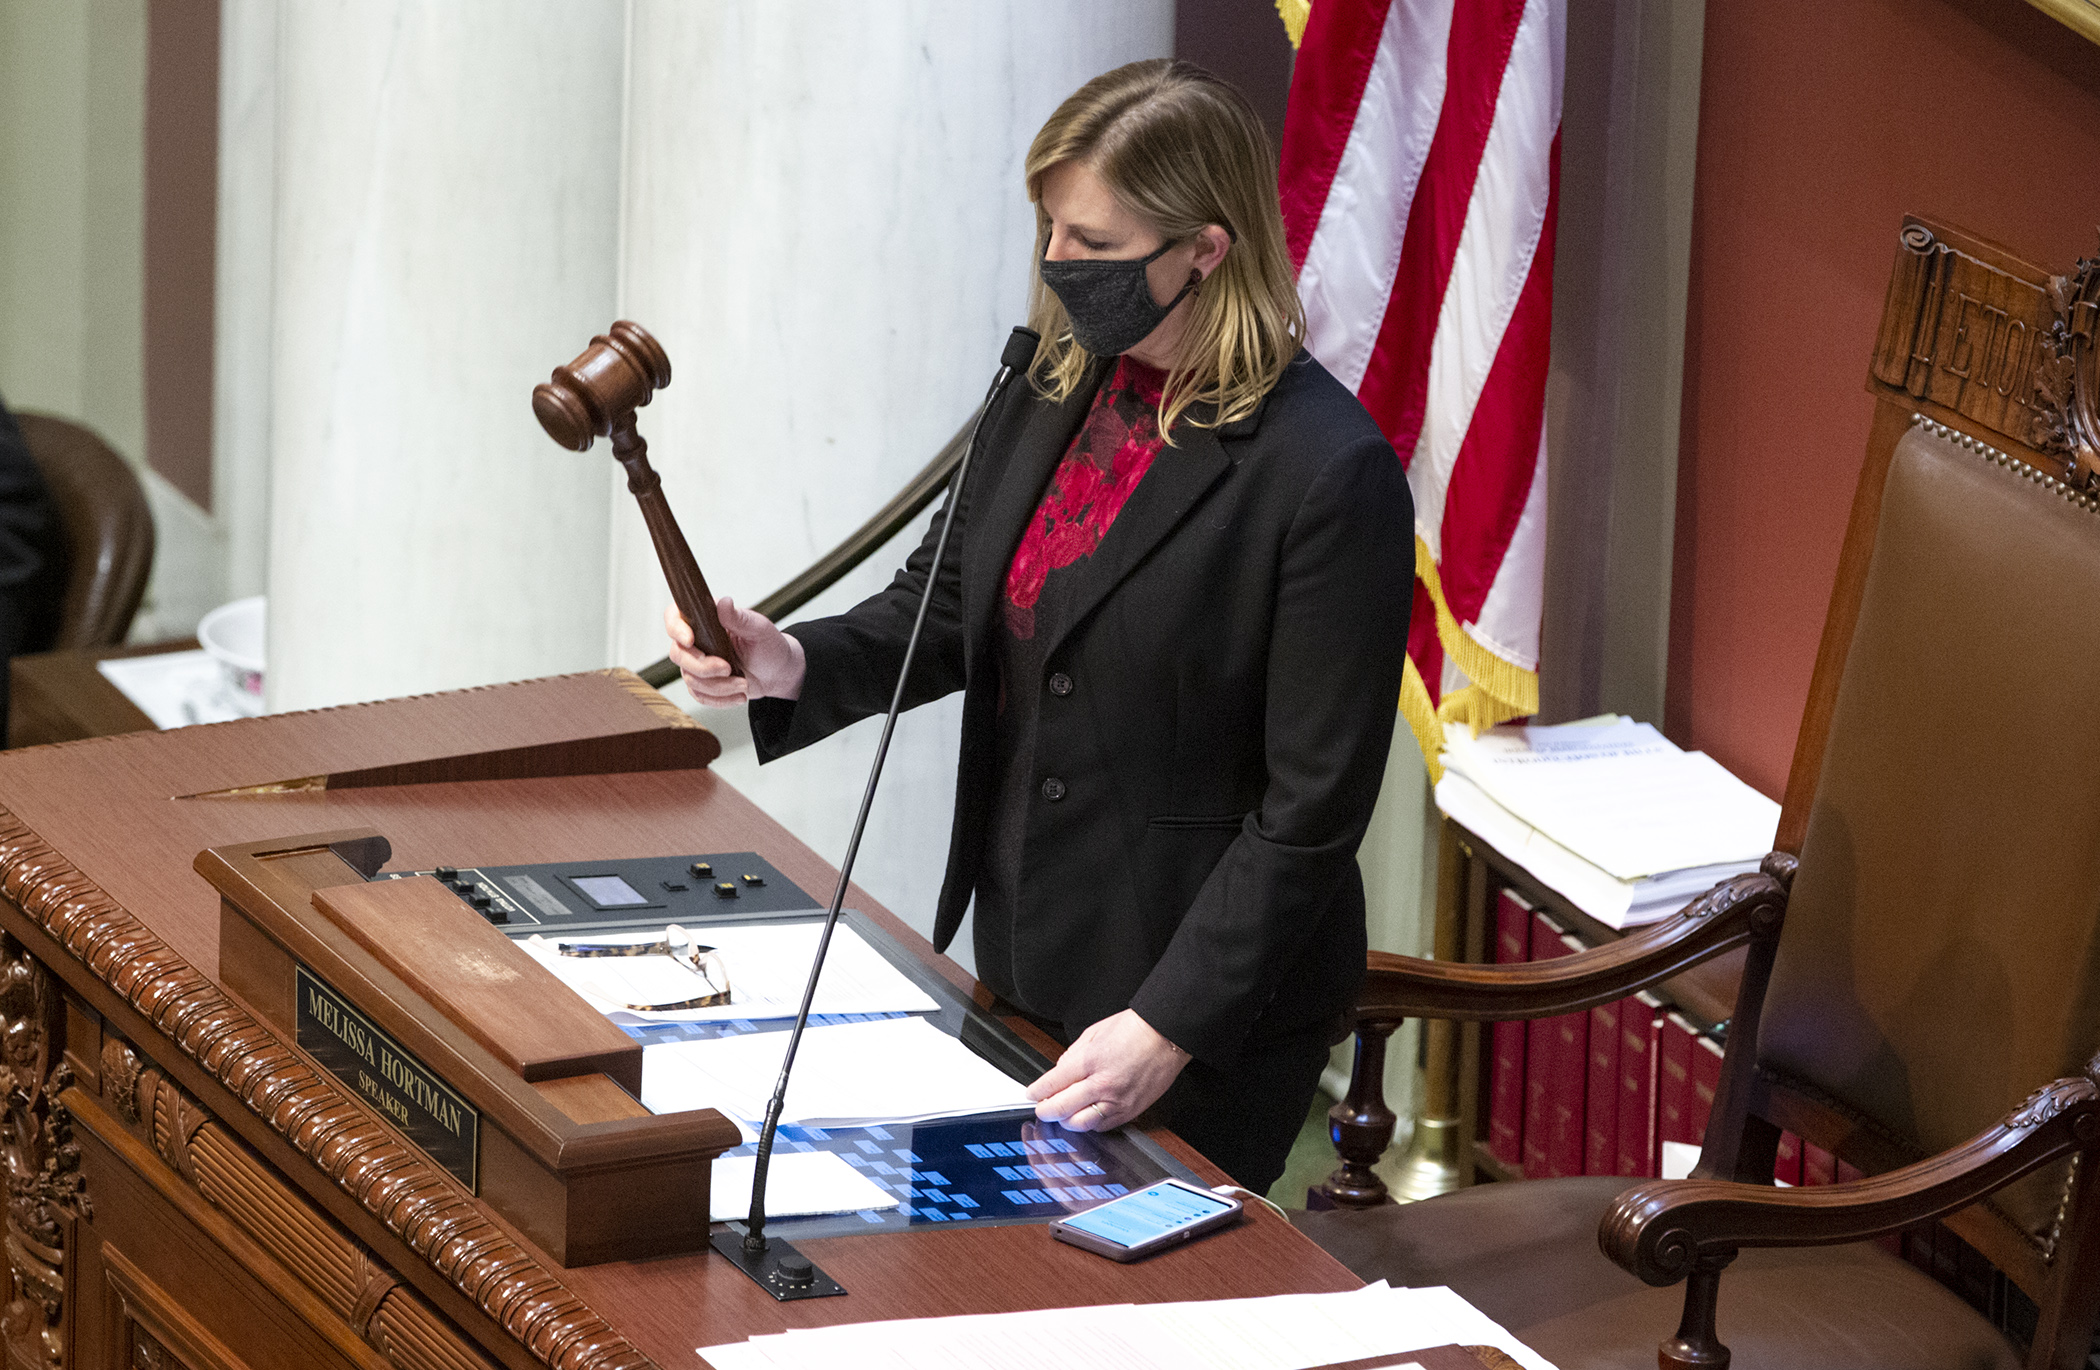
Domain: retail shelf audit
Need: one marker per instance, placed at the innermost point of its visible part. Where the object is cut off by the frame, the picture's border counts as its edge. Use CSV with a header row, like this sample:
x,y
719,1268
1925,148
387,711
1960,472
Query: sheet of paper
x,y
176,689
1583,883
1621,797
1615,903
886,1070
798,1183
1612,902
1284,1332
768,964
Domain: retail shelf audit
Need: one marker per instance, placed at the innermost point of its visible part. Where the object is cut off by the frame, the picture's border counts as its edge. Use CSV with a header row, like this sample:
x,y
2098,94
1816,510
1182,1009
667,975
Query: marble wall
x,y
818,209
826,226
446,210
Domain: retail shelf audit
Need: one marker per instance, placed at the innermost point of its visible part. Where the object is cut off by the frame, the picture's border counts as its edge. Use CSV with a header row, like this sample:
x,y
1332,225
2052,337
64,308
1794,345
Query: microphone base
x,y
764,1267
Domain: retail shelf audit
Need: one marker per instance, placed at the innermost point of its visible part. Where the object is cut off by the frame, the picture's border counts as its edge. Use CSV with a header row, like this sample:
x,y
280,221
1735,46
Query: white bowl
x,y
233,636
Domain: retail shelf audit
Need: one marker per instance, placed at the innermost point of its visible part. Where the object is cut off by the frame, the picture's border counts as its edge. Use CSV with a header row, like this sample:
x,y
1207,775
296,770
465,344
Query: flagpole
x,y
1435,1160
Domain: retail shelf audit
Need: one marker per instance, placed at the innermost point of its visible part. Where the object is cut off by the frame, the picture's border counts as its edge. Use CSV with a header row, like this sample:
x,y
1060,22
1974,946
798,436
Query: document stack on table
x,y
869,1059
1608,812
1373,1326
888,1070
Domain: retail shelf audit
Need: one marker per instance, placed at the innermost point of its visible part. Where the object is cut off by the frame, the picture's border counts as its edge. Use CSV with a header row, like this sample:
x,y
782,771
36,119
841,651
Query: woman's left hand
x,y
1108,1076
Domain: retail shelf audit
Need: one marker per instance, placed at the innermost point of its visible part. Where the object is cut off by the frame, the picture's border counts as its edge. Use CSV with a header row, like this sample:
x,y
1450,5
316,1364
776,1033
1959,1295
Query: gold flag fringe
x,y
1294,13
1499,690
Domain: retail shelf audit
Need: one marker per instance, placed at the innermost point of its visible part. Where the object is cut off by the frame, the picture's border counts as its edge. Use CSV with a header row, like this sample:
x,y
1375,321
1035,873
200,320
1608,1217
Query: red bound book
x,y
1506,1065
1706,1081
1673,1085
1600,1132
1817,1165
1541,1037
1640,1050
1570,1090
1787,1168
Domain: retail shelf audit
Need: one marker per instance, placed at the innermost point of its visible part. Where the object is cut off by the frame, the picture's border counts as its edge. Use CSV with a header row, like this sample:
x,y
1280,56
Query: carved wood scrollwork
x,y
42,1162
121,1068
1997,341
2067,382
148,1354
431,1215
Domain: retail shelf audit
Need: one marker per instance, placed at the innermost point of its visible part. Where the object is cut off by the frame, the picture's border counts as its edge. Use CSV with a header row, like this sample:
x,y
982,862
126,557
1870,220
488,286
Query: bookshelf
x,y
1471,875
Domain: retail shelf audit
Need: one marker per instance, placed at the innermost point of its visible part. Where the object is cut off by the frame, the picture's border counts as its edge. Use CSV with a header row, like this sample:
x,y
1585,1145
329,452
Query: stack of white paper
x,y
1284,1332
889,1070
1608,812
768,966
798,1184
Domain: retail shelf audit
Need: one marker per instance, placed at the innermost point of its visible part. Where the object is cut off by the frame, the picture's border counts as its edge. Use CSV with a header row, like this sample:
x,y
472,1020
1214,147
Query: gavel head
x,y
601,389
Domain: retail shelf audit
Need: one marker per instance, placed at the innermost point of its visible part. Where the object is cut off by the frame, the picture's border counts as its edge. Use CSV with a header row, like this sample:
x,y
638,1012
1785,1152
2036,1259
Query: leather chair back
x,y
1941,955
108,530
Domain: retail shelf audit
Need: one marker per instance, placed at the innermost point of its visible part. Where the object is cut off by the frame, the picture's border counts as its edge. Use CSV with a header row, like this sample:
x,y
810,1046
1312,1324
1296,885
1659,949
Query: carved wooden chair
x,y
1922,988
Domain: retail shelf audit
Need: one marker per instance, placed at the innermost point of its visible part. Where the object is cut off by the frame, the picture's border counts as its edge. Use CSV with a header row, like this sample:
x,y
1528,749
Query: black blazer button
x,y
1053,789
1060,684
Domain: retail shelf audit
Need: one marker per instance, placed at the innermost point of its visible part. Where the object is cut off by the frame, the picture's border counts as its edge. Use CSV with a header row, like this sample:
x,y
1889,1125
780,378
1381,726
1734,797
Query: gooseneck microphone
x,y
778,1268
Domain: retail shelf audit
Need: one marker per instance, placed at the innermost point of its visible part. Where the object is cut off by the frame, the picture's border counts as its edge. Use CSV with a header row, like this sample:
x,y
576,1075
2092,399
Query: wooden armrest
x,y
1663,1230
1735,912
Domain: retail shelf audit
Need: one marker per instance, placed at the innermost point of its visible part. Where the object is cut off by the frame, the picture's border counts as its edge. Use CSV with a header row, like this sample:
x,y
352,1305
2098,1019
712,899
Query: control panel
x,y
983,1171
578,896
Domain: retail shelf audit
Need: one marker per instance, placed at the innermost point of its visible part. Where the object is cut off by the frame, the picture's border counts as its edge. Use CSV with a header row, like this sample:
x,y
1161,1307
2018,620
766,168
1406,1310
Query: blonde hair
x,y
1180,149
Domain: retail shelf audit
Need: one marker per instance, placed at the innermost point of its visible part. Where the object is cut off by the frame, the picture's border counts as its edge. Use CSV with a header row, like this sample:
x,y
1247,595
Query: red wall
x,y
1822,122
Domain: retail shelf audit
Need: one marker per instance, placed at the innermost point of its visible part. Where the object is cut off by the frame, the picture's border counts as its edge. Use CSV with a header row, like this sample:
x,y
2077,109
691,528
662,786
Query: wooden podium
x,y
188,1188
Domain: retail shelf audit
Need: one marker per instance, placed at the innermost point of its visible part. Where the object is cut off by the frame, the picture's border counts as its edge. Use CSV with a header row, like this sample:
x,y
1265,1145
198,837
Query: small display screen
x,y
1149,1213
608,891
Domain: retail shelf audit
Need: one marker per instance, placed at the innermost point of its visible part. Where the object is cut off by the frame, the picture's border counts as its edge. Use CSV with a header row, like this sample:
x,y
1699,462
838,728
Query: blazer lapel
x,y
1179,477
1009,504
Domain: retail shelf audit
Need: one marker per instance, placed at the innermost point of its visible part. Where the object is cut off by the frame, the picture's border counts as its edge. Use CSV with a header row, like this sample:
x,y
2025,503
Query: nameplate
x,y
358,1052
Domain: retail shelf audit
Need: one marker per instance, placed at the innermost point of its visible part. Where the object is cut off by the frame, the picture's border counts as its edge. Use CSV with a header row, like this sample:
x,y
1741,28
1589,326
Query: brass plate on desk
x,y
351,1047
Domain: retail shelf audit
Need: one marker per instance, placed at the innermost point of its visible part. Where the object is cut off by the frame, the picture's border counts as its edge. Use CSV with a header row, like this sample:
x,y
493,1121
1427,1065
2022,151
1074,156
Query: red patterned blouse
x,y
1108,457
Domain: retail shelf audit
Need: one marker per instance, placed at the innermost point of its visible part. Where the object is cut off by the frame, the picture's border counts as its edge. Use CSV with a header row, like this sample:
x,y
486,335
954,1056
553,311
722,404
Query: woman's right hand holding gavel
x,y
773,661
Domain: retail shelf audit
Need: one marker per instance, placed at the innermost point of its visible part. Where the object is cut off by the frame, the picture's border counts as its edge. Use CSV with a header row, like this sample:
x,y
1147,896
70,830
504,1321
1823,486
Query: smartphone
x,y
1147,1220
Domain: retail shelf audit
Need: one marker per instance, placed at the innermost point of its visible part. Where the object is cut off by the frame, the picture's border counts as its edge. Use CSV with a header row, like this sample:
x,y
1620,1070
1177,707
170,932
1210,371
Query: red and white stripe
x,y
1419,185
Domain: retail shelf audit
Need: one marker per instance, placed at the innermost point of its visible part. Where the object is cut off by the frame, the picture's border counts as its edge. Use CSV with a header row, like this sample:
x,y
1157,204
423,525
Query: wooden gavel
x,y
595,396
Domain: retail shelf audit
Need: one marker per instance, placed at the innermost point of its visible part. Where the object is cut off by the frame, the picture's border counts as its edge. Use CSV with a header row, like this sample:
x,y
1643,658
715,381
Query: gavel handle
x,y
688,587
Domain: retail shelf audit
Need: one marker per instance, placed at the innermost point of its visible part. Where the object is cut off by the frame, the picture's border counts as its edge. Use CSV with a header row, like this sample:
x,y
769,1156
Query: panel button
x,y
725,889
703,871
1053,789
448,874
754,881
673,887
1060,684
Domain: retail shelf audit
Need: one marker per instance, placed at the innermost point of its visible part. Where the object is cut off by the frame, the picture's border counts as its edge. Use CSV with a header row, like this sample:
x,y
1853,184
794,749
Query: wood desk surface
x,y
101,832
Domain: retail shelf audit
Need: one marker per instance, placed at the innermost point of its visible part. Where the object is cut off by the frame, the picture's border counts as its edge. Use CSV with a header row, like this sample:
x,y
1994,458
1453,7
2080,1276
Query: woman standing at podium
x,y
1177,607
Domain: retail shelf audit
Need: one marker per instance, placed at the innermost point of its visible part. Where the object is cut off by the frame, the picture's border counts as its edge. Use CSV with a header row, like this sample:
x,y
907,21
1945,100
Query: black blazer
x,y
1234,652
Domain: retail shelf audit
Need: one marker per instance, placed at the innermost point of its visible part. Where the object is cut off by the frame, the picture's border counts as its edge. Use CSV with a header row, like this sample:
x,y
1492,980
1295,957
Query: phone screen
x,y
1146,1214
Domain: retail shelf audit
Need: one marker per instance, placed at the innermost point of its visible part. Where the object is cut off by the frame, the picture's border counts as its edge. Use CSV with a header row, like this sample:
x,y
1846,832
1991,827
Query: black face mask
x,y
1110,303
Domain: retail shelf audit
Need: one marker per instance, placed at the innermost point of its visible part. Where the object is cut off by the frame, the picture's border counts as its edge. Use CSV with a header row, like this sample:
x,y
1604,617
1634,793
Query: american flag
x,y
1420,179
